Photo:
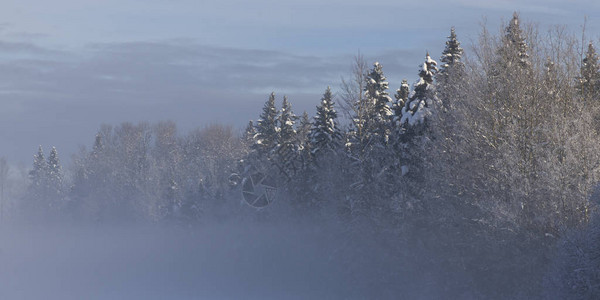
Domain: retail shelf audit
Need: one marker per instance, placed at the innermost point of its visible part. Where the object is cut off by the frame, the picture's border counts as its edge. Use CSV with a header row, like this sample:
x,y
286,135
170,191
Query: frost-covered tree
x,y
35,201
303,140
45,190
249,135
287,120
588,83
55,175
371,121
451,73
39,173
398,137
510,83
303,130
401,98
420,103
92,179
452,54
378,99
286,150
513,50
325,133
266,128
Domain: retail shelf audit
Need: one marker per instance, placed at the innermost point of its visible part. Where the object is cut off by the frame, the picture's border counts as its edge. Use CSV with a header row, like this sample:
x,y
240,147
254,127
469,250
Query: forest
x,y
483,174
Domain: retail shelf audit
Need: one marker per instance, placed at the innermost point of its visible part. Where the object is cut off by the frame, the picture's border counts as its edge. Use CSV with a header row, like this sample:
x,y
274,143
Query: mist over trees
x,y
485,165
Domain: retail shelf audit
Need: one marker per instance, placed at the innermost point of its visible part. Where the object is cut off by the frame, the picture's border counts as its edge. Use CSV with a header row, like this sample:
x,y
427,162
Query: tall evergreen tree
x,y
451,72
514,47
266,129
588,83
98,144
39,173
325,133
452,54
419,105
510,81
287,148
249,134
55,178
303,141
55,175
401,99
88,170
378,98
303,130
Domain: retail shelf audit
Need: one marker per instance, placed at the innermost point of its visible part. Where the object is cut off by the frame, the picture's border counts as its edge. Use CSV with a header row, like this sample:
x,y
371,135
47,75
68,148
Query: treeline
x,y
493,154
137,172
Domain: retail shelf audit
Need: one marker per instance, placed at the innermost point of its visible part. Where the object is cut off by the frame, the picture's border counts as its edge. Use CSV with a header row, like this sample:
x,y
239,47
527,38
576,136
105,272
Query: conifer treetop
x,y
325,132
589,79
514,41
452,54
418,107
266,127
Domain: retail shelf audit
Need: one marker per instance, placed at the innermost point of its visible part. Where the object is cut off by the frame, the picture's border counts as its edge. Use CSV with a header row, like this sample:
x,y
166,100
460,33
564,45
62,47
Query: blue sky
x,y
67,66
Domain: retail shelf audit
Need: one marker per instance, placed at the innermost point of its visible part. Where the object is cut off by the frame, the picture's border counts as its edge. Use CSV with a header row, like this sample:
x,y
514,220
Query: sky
x,y
68,66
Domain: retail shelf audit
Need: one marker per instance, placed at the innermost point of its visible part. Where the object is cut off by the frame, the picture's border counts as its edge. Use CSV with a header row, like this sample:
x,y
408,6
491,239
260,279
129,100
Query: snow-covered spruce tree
x,y
451,72
303,129
98,144
401,99
371,119
514,46
286,149
451,90
369,148
302,141
452,54
397,128
510,80
421,102
511,93
588,83
519,111
34,204
91,179
249,135
46,185
250,152
39,173
55,175
303,132
266,129
325,135
378,117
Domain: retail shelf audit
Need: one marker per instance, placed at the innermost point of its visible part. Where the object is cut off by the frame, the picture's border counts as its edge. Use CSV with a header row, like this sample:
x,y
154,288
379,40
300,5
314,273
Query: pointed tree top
x,y
591,48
